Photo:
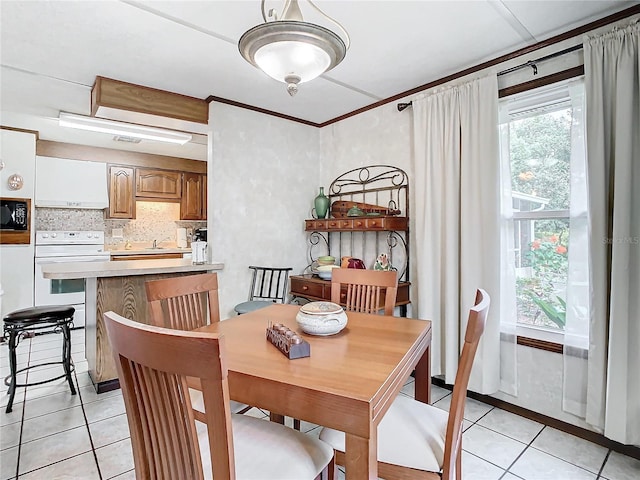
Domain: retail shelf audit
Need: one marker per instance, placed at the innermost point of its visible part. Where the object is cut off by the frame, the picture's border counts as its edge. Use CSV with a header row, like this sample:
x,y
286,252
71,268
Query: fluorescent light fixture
x,y
120,128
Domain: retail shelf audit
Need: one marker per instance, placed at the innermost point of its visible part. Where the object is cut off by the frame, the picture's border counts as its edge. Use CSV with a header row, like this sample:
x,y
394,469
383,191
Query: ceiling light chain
x,y
291,50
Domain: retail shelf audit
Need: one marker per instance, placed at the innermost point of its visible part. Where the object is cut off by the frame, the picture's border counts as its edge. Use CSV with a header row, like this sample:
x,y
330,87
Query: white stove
x,y
66,246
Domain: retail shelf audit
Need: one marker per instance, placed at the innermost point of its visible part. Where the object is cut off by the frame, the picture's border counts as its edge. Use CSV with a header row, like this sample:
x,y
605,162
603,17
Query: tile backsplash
x,y
154,221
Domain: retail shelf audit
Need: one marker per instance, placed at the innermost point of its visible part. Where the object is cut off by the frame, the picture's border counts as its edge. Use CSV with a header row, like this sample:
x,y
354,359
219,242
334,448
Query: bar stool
x,y
20,324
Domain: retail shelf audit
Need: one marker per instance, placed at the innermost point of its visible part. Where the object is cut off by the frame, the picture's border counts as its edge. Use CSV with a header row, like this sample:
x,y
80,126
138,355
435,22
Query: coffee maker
x,y
200,235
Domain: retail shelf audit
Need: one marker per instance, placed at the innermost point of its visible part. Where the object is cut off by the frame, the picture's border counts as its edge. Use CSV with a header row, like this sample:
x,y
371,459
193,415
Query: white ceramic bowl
x,y
321,318
324,271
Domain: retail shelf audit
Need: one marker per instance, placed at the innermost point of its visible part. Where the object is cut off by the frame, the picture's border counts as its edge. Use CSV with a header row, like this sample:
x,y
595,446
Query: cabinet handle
x,y
373,223
304,287
343,295
332,224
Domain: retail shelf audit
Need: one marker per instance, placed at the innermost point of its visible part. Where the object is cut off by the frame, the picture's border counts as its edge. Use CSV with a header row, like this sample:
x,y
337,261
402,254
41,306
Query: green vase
x,y
321,204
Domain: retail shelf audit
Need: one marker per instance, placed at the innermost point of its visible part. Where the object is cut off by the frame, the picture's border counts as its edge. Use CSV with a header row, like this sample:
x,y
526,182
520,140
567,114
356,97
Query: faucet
x,y
155,244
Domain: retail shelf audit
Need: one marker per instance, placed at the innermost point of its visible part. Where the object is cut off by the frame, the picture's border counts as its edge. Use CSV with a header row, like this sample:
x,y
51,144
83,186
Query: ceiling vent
x,y
124,138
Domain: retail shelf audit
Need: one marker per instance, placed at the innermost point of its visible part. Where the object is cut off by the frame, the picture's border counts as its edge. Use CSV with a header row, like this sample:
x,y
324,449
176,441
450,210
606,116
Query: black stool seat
x,y
22,323
33,315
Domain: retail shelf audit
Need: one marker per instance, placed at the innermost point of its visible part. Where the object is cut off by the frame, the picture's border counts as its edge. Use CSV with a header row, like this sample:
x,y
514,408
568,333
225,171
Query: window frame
x,y
529,335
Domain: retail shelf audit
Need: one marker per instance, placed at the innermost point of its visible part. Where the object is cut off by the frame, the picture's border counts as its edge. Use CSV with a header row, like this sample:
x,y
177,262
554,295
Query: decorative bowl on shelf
x,y
324,271
326,260
321,318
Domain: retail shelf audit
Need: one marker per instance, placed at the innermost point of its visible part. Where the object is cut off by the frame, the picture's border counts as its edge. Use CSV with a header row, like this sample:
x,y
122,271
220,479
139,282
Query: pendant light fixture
x,y
291,50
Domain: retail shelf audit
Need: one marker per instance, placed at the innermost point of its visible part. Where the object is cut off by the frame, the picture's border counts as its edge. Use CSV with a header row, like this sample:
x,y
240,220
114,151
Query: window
x,y
542,142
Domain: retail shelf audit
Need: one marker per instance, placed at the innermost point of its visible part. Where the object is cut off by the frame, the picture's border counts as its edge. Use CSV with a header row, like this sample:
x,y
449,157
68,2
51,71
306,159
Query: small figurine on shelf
x,y
382,263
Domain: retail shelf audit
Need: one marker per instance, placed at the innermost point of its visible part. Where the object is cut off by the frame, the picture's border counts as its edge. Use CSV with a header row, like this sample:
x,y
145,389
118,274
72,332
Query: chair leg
x,y
459,465
329,472
13,365
66,356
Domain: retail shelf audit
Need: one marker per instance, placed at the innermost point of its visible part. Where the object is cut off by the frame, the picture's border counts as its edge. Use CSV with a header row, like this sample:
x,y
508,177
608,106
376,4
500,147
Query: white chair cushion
x,y
269,451
411,434
197,402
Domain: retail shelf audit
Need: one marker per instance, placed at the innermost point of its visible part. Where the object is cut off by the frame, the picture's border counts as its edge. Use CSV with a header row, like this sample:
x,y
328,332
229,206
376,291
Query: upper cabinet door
x,y
158,183
193,195
121,201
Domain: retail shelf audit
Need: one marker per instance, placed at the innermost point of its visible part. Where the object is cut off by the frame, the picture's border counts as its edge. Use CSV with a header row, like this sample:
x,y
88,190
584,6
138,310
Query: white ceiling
x,y
52,51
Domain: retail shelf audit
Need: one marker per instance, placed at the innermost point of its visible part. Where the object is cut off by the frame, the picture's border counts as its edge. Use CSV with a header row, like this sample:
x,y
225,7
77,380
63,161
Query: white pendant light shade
x,y
282,59
291,50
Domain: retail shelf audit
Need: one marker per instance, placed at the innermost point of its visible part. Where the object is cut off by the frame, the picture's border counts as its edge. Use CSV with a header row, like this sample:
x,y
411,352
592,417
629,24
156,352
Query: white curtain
x,y
578,301
612,80
457,227
508,309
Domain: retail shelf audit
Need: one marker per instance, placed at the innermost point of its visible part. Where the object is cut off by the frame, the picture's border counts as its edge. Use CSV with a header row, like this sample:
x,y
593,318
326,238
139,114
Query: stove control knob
x,y
89,235
45,235
54,235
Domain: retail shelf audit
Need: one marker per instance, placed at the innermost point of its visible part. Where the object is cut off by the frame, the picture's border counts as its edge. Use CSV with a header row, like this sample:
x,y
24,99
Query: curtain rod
x,y
531,63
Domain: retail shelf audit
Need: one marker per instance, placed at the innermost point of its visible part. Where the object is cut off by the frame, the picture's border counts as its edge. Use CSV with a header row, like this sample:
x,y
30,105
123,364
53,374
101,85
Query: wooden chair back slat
x,y
365,290
153,364
184,303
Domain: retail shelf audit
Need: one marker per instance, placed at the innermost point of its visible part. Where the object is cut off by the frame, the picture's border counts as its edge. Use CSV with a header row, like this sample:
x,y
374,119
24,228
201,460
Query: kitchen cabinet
x,y
128,184
158,184
18,154
121,192
193,205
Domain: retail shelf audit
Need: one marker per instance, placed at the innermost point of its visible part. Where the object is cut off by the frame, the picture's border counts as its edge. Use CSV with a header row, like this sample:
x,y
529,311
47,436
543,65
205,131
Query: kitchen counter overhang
x,y
118,287
64,271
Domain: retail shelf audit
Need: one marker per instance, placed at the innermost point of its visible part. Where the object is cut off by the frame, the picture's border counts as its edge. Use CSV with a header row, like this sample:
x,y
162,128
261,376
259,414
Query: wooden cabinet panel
x,y
153,183
121,200
314,288
310,287
150,256
192,204
204,197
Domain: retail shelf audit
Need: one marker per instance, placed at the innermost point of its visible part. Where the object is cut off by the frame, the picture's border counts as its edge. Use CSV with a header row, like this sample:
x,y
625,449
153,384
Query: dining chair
x,y
187,303
431,446
364,289
269,285
153,364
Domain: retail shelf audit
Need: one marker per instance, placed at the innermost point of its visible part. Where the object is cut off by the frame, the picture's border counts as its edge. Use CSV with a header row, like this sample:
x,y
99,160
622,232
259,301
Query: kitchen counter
x,y
118,287
61,271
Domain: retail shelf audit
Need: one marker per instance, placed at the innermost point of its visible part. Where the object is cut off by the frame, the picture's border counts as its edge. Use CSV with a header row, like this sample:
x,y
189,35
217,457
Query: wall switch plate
x,y
117,233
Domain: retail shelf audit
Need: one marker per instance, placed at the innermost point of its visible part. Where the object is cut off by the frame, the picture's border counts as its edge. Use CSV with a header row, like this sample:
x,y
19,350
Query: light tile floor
x,y
51,434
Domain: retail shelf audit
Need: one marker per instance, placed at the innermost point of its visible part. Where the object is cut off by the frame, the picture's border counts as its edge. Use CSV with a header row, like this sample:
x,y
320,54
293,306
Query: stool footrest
x,y
7,379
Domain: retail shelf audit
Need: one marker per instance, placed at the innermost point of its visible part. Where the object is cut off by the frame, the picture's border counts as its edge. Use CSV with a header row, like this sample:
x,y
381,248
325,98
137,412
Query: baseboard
x,y
580,432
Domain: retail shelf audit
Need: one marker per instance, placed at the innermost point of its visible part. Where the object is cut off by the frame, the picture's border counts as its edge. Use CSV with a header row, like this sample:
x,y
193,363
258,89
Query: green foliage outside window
x,y
540,149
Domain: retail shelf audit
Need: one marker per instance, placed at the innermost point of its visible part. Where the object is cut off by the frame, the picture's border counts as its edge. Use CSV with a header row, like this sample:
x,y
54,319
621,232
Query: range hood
x,y
62,183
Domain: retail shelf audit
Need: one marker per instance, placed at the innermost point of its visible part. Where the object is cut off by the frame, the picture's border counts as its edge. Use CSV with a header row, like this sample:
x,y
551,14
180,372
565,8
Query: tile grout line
x,y
604,462
86,421
507,470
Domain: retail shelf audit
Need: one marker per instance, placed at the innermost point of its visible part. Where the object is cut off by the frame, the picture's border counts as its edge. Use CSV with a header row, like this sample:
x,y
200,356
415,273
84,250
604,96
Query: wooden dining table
x,y
347,383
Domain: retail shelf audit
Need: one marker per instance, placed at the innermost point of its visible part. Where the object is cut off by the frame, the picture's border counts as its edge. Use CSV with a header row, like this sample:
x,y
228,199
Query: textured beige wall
x,y
263,176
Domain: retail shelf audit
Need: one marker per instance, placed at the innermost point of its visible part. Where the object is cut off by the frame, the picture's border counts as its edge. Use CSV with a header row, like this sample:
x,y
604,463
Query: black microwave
x,y
14,214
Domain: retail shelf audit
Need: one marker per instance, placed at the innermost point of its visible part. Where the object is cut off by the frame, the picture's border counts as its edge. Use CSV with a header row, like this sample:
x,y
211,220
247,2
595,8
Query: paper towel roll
x,y
181,237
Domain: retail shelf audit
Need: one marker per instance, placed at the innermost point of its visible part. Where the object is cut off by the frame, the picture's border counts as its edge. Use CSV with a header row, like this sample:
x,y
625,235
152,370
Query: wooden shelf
x,y
357,224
